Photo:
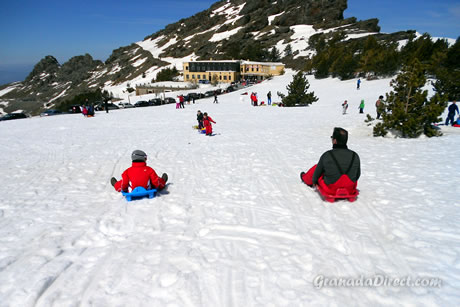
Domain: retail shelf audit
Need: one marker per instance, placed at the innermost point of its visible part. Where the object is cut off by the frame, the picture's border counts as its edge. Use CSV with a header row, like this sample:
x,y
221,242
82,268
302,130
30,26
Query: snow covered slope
x,y
237,227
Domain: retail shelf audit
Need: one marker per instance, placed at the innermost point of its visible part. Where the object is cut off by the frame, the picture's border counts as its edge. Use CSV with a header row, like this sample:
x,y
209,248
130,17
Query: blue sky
x,y
30,30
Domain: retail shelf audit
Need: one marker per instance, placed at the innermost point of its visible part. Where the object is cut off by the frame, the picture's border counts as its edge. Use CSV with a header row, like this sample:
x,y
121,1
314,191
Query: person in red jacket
x,y
207,120
139,175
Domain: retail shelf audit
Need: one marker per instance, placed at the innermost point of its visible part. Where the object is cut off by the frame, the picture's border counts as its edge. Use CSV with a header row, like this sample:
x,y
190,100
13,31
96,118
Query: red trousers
x,y
343,182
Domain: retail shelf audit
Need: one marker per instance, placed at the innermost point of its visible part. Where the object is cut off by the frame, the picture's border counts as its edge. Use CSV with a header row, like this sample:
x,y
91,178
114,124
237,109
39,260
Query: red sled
x,y
341,193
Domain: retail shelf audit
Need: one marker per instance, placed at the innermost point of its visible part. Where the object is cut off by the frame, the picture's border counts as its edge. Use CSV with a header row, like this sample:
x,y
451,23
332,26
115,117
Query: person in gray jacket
x,y
337,168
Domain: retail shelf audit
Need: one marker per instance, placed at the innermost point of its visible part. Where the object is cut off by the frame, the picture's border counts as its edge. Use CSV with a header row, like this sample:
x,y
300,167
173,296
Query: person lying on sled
x,y
139,175
337,168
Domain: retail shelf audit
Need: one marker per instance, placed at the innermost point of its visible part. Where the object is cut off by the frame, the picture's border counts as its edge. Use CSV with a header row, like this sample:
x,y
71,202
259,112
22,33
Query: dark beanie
x,y
138,155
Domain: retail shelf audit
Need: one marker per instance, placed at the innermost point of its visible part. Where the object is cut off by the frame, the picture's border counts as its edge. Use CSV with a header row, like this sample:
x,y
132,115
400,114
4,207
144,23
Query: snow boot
x,y
165,177
113,181
301,176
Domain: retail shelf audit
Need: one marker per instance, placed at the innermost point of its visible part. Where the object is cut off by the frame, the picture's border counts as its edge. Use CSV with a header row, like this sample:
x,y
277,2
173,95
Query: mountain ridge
x,y
234,29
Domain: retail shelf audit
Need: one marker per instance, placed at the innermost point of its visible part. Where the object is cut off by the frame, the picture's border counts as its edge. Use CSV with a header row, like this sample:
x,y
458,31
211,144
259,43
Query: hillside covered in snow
x,y
235,227
257,30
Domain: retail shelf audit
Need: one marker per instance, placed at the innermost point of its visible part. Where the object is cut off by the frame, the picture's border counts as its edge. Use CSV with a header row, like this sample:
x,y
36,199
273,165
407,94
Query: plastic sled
x,y
202,131
341,193
138,193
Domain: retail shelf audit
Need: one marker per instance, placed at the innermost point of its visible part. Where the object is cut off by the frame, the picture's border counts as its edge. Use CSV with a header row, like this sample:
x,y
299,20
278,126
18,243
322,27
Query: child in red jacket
x,y
139,175
207,120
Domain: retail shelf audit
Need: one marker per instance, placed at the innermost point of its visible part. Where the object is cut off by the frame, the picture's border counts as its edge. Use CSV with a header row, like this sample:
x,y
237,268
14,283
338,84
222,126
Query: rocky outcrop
x,y
258,25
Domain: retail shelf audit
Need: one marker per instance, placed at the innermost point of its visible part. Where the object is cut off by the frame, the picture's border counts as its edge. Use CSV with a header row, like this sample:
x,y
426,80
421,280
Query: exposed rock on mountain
x,y
232,29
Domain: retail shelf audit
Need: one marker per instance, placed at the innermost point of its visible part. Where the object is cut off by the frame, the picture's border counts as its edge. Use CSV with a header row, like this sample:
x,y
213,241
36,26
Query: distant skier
x,y
450,117
207,120
139,175
358,84
361,106
344,107
337,168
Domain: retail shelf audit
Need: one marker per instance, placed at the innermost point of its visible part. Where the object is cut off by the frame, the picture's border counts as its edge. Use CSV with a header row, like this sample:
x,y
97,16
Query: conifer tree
x,y
407,110
298,92
288,50
275,55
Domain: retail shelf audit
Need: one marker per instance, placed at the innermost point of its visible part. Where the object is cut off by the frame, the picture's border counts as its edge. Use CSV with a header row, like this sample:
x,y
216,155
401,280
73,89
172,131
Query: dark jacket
x,y
327,167
453,108
199,117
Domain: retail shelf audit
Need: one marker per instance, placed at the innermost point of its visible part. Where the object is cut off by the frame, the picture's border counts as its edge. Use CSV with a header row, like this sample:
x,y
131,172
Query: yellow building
x,y
260,70
210,71
229,71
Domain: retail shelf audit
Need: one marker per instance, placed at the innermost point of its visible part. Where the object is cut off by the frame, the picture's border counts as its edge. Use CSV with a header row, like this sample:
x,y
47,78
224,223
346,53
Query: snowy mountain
x,y
228,29
236,226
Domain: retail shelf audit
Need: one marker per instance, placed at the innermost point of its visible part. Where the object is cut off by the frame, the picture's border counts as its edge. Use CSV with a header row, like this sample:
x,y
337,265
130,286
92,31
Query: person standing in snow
x,y
361,106
215,97
269,98
451,115
139,175
358,84
199,118
207,120
345,107
337,168
181,100
177,102
379,106
254,99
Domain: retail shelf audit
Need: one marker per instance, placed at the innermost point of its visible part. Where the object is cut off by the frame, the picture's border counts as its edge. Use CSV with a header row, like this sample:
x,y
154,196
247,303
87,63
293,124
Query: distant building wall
x,y
221,71
229,71
260,70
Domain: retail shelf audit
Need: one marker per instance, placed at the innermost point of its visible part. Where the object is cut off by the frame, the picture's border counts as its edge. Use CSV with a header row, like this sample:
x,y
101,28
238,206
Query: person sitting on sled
x,y
207,120
139,175
337,168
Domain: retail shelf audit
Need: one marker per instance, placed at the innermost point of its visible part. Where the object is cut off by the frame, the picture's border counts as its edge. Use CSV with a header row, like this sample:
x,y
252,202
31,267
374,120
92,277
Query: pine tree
x,y
298,92
288,50
275,55
407,110
446,67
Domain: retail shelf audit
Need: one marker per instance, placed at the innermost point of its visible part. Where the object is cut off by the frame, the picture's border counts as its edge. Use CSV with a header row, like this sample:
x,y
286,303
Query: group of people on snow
x,y
255,100
180,102
379,106
204,121
337,168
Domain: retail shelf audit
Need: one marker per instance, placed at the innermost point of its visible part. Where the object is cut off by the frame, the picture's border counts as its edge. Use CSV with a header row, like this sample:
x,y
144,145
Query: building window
x,y
225,77
188,77
193,76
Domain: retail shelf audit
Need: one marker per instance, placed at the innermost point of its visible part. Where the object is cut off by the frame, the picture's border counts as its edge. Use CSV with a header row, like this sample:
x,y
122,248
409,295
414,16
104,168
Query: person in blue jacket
x,y
450,117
